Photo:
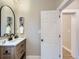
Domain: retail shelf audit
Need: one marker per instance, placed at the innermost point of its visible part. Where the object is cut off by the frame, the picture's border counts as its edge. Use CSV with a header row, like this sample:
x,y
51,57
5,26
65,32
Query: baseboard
x,y
32,57
75,57
67,49
78,57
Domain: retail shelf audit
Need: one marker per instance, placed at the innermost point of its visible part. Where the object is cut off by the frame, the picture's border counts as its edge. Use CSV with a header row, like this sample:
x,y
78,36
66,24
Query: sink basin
x,y
13,42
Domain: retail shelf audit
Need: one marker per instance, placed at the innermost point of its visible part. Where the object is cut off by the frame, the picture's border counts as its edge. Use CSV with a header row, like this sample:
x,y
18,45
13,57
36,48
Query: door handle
x,y
42,40
59,36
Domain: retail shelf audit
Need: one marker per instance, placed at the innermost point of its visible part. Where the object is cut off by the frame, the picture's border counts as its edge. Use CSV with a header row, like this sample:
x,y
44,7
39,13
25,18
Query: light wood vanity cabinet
x,y
13,52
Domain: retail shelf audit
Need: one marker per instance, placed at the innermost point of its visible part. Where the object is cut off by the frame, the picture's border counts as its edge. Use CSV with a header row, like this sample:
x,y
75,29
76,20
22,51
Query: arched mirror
x,y
7,20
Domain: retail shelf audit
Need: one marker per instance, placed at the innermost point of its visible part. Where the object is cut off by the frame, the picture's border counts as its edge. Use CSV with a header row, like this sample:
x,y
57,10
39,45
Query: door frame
x,y
74,44
73,31
62,6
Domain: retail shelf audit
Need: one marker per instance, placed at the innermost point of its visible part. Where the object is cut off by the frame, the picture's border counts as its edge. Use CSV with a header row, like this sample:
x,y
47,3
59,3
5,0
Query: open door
x,y
50,35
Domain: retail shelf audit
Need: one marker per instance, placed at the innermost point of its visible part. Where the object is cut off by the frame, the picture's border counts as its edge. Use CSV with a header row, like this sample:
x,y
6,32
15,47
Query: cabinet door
x,y
0,52
21,50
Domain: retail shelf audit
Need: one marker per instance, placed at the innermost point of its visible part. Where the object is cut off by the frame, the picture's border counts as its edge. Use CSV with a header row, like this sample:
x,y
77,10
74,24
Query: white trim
x,y
33,57
73,35
78,57
61,42
64,4
69,11
67,49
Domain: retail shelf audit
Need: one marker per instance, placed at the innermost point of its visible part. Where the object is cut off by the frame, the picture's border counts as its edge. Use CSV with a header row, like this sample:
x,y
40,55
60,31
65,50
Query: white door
x,y
50,45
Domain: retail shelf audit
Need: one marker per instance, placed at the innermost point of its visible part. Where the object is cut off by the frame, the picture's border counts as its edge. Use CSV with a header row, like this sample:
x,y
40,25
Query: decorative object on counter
x,y
4,42
21,26
5,34
11,37
16,36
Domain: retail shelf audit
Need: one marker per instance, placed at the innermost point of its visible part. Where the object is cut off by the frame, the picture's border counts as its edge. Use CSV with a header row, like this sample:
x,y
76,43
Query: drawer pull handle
x,y
6,53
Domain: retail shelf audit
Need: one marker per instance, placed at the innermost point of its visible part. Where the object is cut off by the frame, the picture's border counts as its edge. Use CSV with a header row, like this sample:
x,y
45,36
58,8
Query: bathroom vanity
x,y
11,48
15,49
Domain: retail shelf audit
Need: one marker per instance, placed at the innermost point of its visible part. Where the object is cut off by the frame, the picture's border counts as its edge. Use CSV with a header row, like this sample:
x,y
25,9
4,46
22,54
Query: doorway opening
x,y
67,33
70,30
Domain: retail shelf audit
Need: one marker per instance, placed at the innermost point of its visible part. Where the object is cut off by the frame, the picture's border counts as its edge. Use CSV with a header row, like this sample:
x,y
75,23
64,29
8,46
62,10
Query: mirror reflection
x,y
7,21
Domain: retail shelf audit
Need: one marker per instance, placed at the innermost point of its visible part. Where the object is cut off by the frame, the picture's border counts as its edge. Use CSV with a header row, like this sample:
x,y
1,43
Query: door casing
x,y
61,7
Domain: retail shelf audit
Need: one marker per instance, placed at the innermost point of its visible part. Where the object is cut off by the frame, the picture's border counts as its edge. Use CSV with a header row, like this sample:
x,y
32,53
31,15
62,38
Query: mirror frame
x,y
13,16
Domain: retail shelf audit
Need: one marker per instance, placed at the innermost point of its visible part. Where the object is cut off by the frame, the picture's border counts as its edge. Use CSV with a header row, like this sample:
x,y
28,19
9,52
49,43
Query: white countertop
x,y
14,42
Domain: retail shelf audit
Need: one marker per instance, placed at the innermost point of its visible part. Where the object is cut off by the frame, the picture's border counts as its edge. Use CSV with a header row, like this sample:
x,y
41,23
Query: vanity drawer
x,y
7,52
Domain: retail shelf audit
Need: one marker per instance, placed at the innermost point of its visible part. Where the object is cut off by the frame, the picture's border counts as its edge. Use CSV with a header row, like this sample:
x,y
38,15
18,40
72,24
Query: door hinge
x,y
59,55
59,16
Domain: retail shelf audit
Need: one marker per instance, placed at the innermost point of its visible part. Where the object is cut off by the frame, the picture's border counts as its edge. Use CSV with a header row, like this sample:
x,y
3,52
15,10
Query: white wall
x,y
66,18
7,2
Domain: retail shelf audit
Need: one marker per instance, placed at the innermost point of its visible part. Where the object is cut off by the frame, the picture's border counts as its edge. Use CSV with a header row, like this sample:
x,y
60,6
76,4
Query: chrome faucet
x,y
11,37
